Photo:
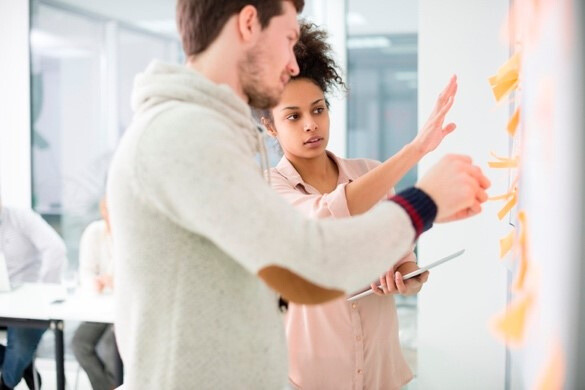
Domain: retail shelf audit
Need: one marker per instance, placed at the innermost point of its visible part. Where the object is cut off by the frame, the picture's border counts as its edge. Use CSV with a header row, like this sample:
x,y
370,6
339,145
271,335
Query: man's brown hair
x,y
200,21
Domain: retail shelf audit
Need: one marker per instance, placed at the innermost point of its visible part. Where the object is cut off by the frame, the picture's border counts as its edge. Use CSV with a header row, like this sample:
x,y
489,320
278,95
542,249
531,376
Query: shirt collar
x,y
285,168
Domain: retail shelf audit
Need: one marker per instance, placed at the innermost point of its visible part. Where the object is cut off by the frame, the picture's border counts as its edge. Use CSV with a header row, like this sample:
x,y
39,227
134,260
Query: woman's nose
x,y
310,126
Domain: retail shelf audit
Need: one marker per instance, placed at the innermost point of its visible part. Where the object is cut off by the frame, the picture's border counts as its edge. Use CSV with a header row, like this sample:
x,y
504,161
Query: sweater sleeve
x,y
205,179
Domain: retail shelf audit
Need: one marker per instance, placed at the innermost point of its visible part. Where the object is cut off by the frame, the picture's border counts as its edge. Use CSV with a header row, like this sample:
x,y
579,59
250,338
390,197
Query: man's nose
x,y
293,66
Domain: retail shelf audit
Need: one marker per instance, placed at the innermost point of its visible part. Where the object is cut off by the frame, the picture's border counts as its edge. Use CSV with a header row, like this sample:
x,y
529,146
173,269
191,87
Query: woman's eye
x,y
319,110
292,117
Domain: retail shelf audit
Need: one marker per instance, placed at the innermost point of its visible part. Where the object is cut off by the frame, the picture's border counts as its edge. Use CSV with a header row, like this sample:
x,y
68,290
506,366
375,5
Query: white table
x,y
48,305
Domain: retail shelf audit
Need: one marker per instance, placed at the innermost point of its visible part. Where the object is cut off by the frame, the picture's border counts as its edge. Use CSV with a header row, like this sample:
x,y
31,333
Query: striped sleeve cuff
x,y
421,209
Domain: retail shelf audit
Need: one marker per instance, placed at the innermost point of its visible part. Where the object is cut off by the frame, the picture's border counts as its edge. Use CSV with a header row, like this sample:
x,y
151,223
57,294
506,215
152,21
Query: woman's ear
x,y
269,126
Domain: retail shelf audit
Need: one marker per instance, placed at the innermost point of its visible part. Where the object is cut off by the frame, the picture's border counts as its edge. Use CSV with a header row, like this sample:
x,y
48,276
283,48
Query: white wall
x,y
15,177
456,349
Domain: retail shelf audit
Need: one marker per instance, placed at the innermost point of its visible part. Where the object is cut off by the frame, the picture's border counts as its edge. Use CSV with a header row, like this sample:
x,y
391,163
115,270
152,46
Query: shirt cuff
x,y
421,209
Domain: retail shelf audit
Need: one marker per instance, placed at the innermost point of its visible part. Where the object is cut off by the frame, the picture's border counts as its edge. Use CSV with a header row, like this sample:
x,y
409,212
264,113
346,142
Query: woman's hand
x,y
103,282
393,283
433,132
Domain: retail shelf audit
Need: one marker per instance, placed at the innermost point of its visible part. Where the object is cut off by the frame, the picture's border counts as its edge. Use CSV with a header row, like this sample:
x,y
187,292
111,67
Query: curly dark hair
x,y
315,58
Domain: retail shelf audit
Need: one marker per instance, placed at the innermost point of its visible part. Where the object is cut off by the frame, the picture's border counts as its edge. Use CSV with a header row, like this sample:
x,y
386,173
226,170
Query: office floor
x,y
75,377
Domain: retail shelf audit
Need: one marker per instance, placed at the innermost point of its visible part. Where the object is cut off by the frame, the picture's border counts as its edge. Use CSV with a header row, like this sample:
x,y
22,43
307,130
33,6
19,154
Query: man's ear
x,y
269,126
248,24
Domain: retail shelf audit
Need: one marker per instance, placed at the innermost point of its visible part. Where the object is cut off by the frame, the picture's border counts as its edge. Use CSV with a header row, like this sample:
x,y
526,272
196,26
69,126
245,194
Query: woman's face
x,y
301,120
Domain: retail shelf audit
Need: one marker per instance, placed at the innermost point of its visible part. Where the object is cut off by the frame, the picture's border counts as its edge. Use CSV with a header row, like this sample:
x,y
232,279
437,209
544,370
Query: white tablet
x,y
412,274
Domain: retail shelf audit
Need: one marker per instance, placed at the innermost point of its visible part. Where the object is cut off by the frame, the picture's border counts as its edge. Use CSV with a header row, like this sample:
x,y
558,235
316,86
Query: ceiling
x,y
365,17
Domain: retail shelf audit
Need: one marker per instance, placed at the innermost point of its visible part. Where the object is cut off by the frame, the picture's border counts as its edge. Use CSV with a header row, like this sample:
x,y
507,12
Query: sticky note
x,y
513,123
510,325
506,209
506,79
553,376
506,243
523,264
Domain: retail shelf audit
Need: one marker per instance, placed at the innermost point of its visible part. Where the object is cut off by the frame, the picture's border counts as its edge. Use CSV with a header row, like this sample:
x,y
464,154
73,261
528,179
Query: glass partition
x,y
382,54
82,72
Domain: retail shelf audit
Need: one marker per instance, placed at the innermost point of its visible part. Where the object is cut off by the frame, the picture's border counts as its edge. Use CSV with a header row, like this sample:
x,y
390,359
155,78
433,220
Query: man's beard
x,y
259,95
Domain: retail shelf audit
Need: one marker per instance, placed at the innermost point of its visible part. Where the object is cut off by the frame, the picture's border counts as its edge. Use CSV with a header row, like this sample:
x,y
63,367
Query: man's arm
x,y
207,181
46,240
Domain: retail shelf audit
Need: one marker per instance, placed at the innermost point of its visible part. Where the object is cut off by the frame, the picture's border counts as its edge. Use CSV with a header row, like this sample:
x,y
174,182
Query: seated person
x,y
33,252
96,271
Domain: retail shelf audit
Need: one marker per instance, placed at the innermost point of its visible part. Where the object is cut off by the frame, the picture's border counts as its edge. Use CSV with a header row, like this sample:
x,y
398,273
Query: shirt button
x,y
354,305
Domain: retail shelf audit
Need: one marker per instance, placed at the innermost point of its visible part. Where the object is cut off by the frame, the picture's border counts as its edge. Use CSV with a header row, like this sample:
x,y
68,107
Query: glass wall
x,y
382,75
82,70
382,47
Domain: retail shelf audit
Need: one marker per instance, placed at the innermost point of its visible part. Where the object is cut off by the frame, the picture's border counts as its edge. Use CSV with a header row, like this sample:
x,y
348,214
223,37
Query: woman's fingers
x,y
449,128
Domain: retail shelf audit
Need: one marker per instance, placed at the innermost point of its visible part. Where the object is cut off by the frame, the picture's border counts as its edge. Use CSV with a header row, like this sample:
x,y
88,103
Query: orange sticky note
x,y
506,243
506,79
513,123
521,272
506,209
553,377
523,265
510,325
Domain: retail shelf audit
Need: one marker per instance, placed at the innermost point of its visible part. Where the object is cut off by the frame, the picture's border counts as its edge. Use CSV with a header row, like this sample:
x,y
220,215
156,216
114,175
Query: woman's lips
x,y
314,142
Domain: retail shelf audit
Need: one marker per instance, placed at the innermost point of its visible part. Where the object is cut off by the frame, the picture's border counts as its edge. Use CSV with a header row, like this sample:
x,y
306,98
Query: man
x,y
33,252
198,234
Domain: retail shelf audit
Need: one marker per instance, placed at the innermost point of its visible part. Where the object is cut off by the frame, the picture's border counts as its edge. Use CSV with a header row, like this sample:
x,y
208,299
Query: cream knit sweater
x,y
193,224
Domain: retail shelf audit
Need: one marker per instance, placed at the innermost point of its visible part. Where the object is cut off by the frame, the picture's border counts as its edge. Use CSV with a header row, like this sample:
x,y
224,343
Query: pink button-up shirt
x,y
340,345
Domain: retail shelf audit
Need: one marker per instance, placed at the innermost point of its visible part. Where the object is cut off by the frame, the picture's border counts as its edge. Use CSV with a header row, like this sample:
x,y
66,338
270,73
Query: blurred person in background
x,y
96,271
34,253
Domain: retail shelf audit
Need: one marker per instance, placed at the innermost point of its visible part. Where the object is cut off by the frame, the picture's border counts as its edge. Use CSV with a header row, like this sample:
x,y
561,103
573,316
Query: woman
x,y
341,345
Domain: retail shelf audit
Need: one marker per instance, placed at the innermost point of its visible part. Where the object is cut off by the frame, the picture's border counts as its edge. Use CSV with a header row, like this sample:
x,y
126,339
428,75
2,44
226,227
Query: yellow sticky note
x,y
506,244
511,163
502,197
506,79
506,209
513,123
503,162
510,325
553,376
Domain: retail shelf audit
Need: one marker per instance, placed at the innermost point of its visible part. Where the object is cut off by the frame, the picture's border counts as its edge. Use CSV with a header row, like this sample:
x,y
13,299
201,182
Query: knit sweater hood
x,y
162,82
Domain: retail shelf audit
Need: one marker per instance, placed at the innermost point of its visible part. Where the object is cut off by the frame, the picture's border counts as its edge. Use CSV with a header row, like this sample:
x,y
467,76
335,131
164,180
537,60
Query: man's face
x,y
268,66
